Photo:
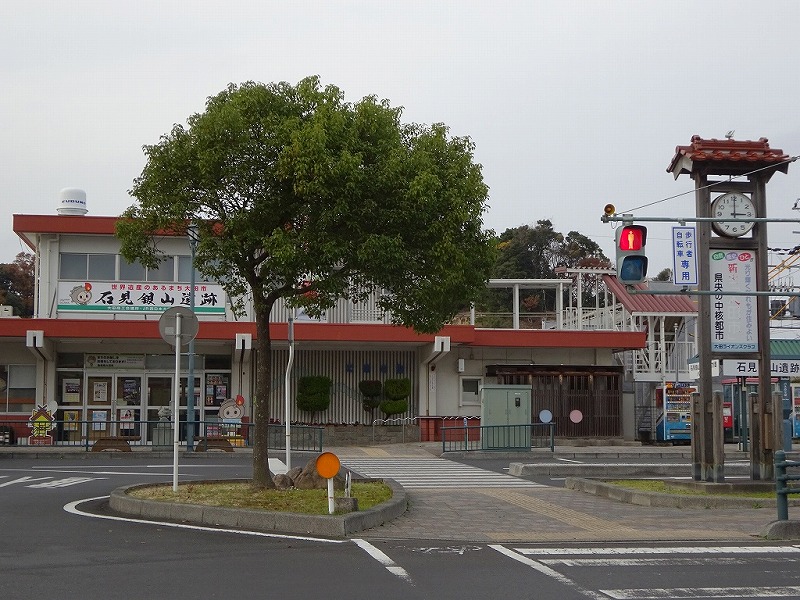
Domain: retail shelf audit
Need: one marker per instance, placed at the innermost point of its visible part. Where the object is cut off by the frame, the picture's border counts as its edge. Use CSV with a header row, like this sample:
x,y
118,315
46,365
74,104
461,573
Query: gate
x,y
596,393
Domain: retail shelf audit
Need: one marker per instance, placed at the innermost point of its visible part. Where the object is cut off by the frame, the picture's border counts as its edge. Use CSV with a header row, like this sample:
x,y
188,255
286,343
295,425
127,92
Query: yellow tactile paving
x,y
559,513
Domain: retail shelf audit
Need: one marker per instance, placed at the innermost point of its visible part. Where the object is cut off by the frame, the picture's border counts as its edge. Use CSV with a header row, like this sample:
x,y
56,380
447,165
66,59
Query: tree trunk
x,y
262,478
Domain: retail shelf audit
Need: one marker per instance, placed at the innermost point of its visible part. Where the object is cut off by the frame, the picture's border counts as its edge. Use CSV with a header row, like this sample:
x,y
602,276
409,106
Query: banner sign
x,y
734,325
749,368
684,258
119,297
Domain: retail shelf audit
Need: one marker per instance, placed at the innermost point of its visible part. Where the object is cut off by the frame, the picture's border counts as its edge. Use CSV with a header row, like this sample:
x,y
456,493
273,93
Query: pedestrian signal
x,y
631,259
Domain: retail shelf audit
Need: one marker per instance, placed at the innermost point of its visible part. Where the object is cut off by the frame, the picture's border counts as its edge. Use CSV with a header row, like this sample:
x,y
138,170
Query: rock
x,y
294,472
309,479
283,481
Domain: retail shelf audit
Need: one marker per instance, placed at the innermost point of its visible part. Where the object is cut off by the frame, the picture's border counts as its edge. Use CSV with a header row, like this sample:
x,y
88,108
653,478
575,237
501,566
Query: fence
x,y
402,421
782,487
154,434
498,437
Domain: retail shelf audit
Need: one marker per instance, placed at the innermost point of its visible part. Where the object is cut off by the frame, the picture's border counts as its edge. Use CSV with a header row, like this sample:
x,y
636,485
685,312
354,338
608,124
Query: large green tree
x,y
534,252
17,284
301,195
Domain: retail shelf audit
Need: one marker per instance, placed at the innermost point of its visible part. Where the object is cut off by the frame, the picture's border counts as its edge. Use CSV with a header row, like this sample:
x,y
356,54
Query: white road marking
x,y
26,479
569,460
732,592
382,558
72,508
59,483
656,550
435,473
545,570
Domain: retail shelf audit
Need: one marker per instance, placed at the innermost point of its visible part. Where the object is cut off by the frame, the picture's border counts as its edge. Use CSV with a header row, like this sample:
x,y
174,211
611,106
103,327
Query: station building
x,y
94,352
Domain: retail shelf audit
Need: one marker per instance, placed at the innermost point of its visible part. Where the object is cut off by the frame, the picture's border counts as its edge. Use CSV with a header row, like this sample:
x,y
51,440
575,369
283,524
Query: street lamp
x,y
193,239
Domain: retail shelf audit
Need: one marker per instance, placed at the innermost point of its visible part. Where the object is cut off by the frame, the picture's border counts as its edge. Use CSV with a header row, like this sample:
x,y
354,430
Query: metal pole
x,y
192,231
288,396
176,402
781,497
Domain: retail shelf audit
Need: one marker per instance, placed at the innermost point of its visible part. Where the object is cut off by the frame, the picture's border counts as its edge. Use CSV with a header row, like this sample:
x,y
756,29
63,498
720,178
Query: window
x,y
470,391
164,272
73,266
185,270
88,267
134,271
18,388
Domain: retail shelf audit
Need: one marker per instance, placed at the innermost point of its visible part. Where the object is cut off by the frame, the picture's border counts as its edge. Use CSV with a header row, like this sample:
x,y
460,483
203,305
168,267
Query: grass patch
x,y
662,487
243,495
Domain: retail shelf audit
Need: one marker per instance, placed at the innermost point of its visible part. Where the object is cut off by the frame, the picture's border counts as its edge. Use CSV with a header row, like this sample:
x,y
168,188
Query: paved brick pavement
x,y
553,514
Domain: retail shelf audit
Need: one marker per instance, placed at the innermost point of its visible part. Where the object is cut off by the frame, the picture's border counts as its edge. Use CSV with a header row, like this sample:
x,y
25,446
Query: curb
x,y
610,470
661,500
782,530
261,520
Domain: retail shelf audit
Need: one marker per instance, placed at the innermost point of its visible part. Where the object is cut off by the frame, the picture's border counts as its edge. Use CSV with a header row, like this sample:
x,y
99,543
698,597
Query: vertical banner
x,y
684,257
734,322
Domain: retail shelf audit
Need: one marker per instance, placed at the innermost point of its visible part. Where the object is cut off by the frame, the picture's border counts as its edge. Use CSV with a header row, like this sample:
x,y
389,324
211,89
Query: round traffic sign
x,y
168,325
328,465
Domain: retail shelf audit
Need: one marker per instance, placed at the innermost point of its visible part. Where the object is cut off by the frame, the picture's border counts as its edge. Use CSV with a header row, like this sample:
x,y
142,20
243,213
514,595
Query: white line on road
x,y
682,550
732,592
544,570
382,558
72,508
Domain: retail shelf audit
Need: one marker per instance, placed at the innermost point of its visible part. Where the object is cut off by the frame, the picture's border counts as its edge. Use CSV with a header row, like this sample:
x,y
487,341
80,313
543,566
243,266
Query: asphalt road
x,y
57,539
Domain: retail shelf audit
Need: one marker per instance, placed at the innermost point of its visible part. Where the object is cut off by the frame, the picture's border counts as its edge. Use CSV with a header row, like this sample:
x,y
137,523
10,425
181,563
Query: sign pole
x,y
176,399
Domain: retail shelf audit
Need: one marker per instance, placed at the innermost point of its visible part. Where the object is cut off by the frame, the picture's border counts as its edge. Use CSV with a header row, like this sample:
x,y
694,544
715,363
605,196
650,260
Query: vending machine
x,y
674,423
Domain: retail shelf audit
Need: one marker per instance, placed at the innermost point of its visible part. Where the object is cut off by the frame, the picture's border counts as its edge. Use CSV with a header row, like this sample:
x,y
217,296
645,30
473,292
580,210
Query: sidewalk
x,y
540,514
554,514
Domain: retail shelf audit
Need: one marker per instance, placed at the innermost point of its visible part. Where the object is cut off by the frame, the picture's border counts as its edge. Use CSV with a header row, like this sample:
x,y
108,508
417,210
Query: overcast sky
x,y
571,104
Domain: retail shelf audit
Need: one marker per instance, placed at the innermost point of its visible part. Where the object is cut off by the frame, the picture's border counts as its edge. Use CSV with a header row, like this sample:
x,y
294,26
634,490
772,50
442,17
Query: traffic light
x,y
631,260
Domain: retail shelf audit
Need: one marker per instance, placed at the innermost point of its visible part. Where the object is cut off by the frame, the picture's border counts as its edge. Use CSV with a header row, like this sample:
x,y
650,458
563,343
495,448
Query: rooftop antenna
x,y
730,133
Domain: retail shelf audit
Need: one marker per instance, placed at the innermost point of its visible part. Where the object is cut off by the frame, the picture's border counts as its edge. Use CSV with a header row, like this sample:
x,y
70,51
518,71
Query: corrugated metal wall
x,y
344,312
346,368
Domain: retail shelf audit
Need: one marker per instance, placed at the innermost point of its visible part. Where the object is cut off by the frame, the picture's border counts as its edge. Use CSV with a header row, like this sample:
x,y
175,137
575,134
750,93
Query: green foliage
x,y
397,389
370,387
17,284
394,407
534,252
371,391
314,393
664,275
299,195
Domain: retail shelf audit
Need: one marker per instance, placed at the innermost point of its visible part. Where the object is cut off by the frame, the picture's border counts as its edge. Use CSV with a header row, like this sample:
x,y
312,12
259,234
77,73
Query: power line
x,y
711,185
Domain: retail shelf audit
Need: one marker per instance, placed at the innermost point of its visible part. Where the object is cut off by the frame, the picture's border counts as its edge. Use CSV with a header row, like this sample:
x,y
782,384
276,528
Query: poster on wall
x,y
126,419
71,418
99,418
71,391
130,391
100,392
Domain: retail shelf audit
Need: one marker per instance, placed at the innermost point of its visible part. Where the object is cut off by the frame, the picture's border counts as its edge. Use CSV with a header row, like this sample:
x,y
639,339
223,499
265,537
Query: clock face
x,y
736,206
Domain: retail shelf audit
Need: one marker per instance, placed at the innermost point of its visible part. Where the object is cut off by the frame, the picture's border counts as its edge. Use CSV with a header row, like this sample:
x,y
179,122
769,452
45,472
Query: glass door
x,y
159,409
99,406
128,404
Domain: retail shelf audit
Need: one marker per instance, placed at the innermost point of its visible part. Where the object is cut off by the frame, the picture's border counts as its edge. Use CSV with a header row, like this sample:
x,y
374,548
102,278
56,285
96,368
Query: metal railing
x,y
155,434
782,487
403,421
470,438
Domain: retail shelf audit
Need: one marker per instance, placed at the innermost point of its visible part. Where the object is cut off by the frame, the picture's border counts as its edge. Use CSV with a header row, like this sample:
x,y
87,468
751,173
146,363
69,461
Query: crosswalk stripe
x,y
428,473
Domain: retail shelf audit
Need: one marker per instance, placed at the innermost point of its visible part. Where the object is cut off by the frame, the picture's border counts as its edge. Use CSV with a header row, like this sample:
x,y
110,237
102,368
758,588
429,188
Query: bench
x,y
115,443
212,442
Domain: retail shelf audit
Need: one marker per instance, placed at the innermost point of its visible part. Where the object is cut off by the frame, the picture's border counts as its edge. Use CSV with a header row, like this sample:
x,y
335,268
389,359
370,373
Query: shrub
x,y
313,393
371,391
397,389
394,407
